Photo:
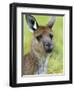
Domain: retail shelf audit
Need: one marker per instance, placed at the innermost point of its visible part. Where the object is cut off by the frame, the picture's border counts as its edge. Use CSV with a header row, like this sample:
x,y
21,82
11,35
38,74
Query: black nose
x,y
47,44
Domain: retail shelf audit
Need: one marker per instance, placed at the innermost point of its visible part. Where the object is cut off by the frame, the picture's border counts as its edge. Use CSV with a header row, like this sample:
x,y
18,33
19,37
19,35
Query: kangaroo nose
x,y
47,44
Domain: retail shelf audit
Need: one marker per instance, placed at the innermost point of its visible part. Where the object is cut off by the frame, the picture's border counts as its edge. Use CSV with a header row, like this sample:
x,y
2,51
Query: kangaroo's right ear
x,y
32,23
51,22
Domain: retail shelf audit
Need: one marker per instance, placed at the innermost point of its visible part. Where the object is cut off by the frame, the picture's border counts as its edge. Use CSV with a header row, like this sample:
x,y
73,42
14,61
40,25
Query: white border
x,y
43,78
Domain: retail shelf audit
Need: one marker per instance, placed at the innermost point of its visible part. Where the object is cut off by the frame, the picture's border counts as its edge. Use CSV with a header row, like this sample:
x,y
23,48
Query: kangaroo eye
x,y
39,37
51,36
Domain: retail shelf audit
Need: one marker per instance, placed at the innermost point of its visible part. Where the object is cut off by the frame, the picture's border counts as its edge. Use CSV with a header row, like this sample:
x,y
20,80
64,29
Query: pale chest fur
x,y
42,66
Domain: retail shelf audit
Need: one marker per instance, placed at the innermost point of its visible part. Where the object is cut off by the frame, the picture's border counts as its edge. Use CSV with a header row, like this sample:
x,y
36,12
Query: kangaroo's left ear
x,y
51,22
32,23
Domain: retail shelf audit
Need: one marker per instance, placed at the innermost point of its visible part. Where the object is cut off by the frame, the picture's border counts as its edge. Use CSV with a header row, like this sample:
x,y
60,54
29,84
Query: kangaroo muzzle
x,y
48,47
48,44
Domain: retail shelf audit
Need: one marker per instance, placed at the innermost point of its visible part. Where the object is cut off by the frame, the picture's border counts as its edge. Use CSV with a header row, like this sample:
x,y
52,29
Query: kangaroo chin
x,y
36,62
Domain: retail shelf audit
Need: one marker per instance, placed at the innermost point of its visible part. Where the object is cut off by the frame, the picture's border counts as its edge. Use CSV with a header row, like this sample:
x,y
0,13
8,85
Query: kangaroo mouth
x,y
49,50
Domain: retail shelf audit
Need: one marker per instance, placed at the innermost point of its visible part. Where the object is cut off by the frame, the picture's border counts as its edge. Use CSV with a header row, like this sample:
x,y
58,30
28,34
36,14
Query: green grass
x,y
55,64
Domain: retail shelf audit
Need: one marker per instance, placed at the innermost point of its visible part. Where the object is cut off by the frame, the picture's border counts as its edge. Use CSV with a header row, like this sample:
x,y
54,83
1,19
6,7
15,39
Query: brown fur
x,y
35,61
31,60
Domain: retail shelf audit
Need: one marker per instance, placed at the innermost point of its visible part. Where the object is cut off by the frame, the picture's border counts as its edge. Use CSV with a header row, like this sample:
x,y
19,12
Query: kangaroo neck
x,y
37,49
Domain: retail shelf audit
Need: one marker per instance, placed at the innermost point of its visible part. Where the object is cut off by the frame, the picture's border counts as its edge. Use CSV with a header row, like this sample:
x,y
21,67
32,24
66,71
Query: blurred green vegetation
x,y
55,64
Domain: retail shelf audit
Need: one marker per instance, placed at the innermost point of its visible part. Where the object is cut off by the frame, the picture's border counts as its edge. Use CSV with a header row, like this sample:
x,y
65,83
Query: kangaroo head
x,y
42,34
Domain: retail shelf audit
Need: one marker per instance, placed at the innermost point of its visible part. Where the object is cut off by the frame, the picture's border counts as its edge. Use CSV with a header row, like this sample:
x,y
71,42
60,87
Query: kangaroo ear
x,y
32,23
51,22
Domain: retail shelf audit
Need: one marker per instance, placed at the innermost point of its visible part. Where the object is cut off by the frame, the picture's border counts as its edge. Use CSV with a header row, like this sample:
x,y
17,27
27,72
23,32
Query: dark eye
x,y
51,36
39,37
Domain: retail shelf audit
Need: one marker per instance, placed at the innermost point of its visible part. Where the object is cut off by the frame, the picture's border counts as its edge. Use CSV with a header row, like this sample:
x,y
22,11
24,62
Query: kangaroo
x,y
35,62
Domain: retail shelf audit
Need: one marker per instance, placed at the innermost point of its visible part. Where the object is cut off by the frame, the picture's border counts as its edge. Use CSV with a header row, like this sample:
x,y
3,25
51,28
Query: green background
x,y
55,63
